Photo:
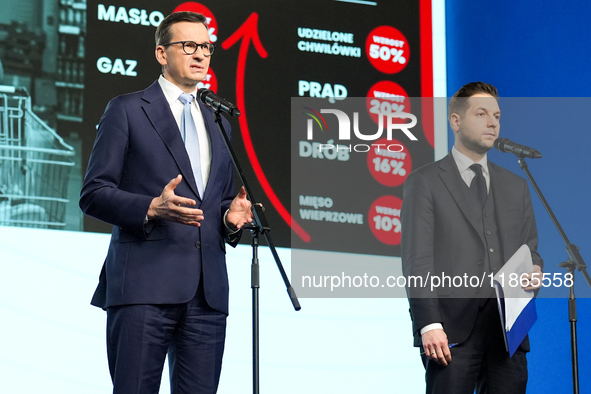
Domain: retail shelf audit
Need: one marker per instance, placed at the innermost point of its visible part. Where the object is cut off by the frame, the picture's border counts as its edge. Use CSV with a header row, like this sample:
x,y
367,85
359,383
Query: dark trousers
x,y
140,336
481,363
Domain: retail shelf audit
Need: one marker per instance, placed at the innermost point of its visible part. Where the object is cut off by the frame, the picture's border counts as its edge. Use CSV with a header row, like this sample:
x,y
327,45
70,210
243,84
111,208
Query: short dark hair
x,y
458,104
163,32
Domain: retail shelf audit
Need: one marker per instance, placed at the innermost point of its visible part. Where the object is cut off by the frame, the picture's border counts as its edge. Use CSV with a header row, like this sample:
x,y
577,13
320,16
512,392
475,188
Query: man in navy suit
x,y
164,282
464,216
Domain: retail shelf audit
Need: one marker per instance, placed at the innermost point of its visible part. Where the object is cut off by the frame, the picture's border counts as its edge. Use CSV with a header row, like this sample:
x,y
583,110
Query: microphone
x,y
218,104
521,151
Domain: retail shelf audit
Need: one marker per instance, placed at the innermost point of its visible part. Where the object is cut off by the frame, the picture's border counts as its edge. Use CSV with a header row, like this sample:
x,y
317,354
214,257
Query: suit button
x,y
491,250
488,232
486,214
480,262
198,244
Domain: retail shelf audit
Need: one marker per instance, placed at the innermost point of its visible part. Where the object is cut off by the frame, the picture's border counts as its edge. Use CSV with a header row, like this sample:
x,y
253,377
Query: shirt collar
x,y
171,91
464,162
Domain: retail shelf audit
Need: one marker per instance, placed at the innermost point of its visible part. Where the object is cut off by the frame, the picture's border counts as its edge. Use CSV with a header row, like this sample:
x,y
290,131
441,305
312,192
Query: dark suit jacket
x,y
138,150
440,235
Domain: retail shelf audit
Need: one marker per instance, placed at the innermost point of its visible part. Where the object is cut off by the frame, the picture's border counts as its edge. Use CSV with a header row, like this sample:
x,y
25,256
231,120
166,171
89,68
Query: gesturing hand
x,y
169,206
239,213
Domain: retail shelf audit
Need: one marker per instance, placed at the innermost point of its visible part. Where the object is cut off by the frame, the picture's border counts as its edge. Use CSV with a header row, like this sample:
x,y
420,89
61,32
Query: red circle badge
x,y
384,219
386,98
389,162
387,49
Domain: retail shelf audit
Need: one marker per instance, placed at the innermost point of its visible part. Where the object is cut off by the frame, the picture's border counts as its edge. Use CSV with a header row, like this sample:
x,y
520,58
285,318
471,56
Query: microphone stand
x,y
574,262
258,226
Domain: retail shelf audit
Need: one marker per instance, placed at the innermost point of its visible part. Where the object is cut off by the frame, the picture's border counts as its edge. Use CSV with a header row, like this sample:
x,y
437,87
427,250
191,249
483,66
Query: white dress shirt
x,y
172,94
464,162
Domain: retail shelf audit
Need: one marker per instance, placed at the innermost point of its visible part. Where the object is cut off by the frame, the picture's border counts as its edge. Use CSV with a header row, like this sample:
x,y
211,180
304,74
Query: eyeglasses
x,y
190,47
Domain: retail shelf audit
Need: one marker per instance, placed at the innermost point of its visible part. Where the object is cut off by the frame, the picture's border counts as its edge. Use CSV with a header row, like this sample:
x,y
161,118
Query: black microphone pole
x,y
574,262
259,225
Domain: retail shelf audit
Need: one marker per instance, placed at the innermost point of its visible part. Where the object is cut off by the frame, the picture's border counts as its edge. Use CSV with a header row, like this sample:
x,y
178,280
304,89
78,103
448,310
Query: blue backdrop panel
x,y
538,49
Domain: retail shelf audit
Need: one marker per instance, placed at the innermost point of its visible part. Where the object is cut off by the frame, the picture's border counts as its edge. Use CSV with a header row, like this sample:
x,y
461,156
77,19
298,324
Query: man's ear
x,y
161,55
454,121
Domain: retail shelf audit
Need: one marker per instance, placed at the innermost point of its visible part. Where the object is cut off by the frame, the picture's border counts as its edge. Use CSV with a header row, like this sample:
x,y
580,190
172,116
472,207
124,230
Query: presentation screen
x,y
264,56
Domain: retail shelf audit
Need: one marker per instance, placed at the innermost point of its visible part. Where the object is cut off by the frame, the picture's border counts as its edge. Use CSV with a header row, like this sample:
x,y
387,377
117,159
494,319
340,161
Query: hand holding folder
x,y
517,307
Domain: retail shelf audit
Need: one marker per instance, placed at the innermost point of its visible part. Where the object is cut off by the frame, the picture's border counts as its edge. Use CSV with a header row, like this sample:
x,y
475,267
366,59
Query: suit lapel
x,y
456,186
216,142
500,189
158,112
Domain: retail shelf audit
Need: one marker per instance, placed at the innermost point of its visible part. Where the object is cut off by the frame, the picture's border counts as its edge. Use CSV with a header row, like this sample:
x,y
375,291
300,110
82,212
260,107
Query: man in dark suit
x,y
464,216
164,283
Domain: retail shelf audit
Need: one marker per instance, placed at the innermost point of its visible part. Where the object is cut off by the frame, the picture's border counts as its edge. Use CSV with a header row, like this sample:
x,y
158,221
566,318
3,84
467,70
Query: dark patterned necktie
x,y
478,185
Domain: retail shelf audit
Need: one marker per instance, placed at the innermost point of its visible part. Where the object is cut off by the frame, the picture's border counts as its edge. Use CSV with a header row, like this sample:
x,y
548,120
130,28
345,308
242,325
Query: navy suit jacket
x,y
440,234
138,150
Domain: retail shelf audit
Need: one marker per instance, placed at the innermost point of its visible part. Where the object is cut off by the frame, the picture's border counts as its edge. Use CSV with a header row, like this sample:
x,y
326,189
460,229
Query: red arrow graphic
x,y
247,32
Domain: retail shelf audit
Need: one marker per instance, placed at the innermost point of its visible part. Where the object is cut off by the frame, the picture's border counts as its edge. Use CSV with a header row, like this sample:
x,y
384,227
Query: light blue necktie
x,y
189,133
